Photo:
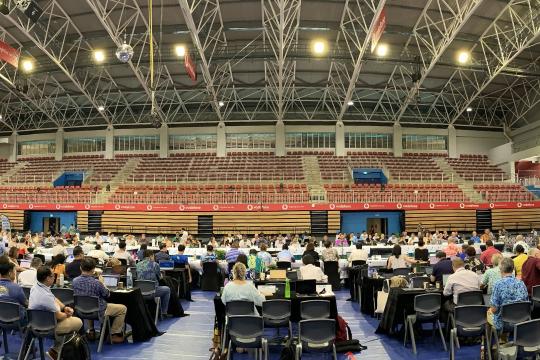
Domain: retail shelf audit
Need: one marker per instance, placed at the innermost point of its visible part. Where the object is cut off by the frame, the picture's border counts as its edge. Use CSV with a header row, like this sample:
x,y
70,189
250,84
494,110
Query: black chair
x,y
315,309
10,319
427,308
317,264
470,321
277,314
418,282
280,289
331,269
234,308
87,308
246,331
211,278
26,291
283,265
229,267
133,272
123,262
512,314
470,298
64,295
526,341
535,296
316,335
401,272
358,263
41,324
148,291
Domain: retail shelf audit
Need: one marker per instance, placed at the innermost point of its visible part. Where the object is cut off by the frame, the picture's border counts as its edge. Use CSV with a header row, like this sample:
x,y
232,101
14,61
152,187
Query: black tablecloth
x,y
369,287
138,315
400,303
219,307
180,275
175,308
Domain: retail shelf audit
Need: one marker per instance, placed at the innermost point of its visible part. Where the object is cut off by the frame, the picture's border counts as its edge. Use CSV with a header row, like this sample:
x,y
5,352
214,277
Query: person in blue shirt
x,y
233,252
148,269
210,256
182,260
162,254
285,254
141,251
9,290
475,238
442,267
264,255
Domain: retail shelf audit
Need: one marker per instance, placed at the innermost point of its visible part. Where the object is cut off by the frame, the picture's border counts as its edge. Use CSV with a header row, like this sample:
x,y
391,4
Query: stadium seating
x,y
504,192
476,168
58,195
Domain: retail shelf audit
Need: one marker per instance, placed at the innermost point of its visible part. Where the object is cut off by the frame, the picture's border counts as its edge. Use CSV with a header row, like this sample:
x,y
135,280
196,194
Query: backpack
x,y
76,348
343,331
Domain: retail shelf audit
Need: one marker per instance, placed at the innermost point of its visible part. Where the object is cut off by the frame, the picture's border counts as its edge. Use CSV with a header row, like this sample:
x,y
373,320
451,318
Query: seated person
x,y
162,254
520,259
181,260
421,253
233,252
486,255
59,248
442,267
9,290
530,272
88,285
507,290
329,253
210,256
264,255
472,262
140,252
123,254
285,254
116,266
240,289
462,280
358,254
98,254
41,298
148,269
398,260
310,250
451,249
73,269
492,274
310,271
58,265
28,277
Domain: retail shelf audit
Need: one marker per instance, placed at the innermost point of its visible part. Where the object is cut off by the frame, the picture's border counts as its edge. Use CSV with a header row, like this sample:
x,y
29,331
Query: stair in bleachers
x,y
9,169
319,222
456,179
312,174
120,178
205,226
94,221
483,220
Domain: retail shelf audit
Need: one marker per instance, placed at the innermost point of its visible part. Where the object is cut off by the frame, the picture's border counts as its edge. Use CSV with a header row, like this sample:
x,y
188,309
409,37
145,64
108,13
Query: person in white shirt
x,y
184,236
99,254
520,241
87,246
98,238
460,281
121,253
244,243
310,271
358,254
28,278
59,248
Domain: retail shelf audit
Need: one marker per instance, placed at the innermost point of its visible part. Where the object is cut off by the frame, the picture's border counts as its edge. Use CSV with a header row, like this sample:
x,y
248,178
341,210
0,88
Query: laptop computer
x,y
292,275
25,264
445,279
111,281
306,287
166,265
69,251
278,274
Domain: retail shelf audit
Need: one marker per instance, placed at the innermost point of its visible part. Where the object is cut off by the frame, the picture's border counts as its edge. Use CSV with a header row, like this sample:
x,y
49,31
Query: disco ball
x,y
124,53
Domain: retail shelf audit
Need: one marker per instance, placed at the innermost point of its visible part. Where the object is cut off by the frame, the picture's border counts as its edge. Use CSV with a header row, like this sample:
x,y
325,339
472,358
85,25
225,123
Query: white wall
x,y
478,142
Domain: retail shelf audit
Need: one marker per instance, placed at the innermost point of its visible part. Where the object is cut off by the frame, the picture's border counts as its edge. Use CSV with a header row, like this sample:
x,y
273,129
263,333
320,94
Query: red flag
x,y
191,67
9,54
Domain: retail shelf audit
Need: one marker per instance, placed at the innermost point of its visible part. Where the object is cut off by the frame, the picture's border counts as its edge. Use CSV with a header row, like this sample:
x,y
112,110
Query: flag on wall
x,y
190,66
9,54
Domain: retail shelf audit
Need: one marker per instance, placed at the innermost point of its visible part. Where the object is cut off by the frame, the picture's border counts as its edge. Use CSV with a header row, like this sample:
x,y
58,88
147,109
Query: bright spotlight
x,y
101,108
382,50
469,109
221,104
350,103
180,50
319,47
27,65
463,57
99,56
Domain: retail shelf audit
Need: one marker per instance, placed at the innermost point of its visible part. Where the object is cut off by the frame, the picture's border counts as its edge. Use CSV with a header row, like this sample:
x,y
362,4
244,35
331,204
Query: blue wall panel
x,y
356,221
66,218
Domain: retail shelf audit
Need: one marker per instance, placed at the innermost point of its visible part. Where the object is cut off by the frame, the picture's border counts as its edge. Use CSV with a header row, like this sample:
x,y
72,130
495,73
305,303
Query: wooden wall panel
x,y
267,222
16,218
148,222
82,221
515,219
334,221
462,220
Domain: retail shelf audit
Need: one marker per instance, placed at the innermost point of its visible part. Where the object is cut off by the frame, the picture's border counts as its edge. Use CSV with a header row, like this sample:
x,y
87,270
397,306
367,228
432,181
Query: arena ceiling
x,y
255,63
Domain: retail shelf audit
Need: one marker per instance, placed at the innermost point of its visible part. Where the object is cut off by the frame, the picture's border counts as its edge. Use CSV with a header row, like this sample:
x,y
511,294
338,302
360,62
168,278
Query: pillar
x,y
281,150
452,142
13,150
398,145
164,141
340,139
109,143
512,170
221,140
59,140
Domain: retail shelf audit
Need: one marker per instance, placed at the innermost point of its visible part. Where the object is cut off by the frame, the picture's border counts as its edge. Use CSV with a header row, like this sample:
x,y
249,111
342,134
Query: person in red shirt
x,y
530,271
490,251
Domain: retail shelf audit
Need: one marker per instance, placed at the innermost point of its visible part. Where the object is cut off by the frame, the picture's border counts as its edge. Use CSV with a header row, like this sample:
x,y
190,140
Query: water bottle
x,y
287,289
129,279
61,280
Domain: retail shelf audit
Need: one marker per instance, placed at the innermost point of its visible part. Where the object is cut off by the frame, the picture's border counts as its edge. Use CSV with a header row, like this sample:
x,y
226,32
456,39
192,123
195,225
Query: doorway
x,y
51,225
377,225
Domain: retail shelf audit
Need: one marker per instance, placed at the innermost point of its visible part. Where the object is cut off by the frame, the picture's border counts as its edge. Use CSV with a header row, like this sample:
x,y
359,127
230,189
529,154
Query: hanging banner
x,y
380,25
190,66
9,54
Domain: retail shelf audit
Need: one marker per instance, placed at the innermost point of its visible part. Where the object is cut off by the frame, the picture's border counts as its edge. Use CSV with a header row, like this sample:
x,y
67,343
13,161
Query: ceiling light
x,y
469,109
27,65
350,103
99,56
101,108
1,117
463,57
381,50
221,104
180,50
319,47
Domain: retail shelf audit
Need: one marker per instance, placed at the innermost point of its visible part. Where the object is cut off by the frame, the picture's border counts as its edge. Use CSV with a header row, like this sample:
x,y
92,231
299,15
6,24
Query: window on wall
x,y
251,141
368,140
39,147
84,144
136,143
192,142
424,142
310,140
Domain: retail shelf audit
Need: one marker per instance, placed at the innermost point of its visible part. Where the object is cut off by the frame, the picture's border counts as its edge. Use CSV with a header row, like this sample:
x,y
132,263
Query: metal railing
x,y
393,196
209,176
210,198
55,197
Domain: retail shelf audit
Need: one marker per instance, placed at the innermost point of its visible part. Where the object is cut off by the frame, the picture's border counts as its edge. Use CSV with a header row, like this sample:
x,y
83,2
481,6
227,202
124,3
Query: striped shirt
x,y
232,254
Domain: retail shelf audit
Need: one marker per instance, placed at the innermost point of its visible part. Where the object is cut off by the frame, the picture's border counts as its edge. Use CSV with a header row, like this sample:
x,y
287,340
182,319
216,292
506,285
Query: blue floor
x,y
191,338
